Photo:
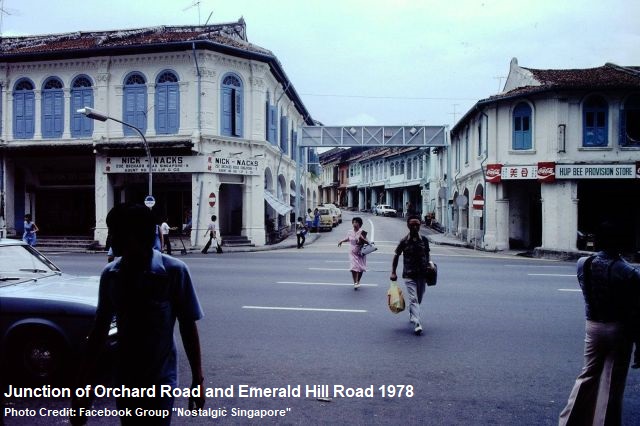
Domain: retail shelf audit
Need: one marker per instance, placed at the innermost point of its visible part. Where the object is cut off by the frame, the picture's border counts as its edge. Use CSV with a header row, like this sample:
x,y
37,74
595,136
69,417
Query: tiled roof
x,y
609,76
228,34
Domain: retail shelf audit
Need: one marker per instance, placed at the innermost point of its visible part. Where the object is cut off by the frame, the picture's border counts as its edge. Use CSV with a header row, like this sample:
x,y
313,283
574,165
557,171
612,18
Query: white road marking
x,y
282,308
569,289
346,261
331,284
552,275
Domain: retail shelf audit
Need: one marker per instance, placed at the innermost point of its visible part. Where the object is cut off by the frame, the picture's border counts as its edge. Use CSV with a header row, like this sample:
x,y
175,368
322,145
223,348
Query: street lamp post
x,y
93,114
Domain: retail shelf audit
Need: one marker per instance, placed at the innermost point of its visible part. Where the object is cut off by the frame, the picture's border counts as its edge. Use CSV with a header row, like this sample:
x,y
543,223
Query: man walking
x,y
611,288
146,291
415,251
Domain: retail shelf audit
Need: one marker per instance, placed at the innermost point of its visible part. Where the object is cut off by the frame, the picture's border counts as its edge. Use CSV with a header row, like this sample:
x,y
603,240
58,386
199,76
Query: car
x,y
335,210
385,210
45,316
326,218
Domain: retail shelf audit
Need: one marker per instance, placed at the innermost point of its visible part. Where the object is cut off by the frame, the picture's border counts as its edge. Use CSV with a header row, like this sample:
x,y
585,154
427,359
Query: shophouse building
x,y
220,116
398,176
545,160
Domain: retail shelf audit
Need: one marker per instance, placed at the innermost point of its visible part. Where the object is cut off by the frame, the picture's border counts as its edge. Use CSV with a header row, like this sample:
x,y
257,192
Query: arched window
x,y
23,110
231,106
167,103
630,122
52,108
81,96
135,103
594,122
522,127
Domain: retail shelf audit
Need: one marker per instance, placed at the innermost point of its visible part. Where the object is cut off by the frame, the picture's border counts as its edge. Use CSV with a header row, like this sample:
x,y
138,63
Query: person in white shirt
x,y
165,241
212,231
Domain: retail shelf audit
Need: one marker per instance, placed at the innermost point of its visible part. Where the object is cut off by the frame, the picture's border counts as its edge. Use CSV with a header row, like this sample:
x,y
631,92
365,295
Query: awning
x,y
277,205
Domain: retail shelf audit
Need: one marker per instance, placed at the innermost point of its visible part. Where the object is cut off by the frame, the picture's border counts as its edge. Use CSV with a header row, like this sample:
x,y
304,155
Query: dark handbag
x,y
431,277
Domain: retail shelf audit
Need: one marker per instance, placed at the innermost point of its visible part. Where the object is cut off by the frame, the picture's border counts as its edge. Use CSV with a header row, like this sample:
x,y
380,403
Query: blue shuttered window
x,y
522,127
630,122
23,110
284,134
135,104
594,122
52,109
167,103
81,96
231,108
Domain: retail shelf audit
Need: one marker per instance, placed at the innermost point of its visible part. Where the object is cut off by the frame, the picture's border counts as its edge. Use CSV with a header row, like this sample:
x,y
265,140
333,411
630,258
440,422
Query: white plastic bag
x,y
395,300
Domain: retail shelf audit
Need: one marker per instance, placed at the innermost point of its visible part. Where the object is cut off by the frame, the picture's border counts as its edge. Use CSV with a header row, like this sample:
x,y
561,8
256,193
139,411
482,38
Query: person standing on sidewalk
x,y
414,249
164,235
611,288
301,231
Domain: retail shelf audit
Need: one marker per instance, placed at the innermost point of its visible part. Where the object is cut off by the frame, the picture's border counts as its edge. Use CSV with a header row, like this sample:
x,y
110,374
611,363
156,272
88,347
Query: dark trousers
x,y
167,243
301,239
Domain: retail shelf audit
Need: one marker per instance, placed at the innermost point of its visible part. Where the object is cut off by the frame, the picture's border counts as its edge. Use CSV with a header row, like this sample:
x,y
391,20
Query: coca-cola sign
x,y
494,173
547,172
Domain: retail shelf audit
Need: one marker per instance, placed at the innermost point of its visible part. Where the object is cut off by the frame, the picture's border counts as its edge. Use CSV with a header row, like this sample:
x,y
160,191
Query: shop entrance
x,y
525,214
68,212
230,211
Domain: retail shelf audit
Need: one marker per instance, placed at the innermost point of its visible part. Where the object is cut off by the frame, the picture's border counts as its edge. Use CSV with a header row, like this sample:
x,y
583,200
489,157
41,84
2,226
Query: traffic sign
x,y
149,201
478,202
212,199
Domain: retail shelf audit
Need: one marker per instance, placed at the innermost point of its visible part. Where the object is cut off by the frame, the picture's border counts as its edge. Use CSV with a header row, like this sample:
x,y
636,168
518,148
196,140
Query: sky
x,y
380,62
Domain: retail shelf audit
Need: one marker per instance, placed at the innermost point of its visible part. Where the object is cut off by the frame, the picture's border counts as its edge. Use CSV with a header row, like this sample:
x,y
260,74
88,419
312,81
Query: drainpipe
x,y
2,220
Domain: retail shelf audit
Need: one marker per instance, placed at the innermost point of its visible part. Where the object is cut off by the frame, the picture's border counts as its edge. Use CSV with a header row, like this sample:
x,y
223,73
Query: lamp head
x,y
92,114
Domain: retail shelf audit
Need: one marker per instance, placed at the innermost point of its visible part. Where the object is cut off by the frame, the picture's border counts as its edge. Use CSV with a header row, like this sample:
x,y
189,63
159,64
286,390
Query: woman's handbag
x,y
395,300
431,278
368,248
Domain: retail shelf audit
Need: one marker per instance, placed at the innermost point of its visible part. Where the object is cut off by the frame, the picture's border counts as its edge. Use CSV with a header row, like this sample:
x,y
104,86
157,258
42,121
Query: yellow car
x,y
326,219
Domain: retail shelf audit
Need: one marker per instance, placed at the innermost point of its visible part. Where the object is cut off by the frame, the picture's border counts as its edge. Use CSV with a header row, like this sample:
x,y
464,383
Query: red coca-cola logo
x,y
493,172
546,171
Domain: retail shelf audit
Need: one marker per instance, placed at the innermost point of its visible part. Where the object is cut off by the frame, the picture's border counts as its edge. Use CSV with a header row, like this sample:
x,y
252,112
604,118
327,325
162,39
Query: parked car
x,y
326,218
335,212
385,210
45,316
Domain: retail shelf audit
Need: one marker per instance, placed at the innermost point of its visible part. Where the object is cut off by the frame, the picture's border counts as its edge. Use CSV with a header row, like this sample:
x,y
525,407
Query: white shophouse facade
x,y
555,153
220,115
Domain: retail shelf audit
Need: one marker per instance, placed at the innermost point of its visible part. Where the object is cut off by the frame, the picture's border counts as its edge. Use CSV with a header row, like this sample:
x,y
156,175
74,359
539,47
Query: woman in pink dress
x,y
356,237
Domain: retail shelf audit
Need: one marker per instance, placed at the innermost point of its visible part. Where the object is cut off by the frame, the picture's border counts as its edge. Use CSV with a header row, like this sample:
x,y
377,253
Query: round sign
x,y
478,202
149,201
461,201
212,199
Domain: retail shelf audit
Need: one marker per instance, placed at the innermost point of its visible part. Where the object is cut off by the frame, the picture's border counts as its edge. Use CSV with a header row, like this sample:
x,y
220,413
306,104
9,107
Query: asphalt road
x,y
502,343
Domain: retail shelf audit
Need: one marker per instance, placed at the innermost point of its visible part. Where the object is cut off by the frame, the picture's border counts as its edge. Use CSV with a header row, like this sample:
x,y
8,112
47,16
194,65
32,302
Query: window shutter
x,y
58,114
237,130
141,109
273,125
622,138
161,109
227,98
129,109
284,133
173,108
76,118
267,121
47,114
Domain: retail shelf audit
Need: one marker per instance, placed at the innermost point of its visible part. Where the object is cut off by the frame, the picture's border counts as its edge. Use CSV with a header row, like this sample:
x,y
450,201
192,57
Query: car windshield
x,y
18,261
323,211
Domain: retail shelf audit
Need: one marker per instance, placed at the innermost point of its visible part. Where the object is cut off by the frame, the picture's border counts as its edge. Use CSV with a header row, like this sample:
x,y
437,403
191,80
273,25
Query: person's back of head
x,y
610,237
132,228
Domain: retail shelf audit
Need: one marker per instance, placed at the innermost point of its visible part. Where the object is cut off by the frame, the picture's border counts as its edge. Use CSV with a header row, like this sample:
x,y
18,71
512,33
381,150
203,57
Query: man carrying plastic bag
x,y
416,268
